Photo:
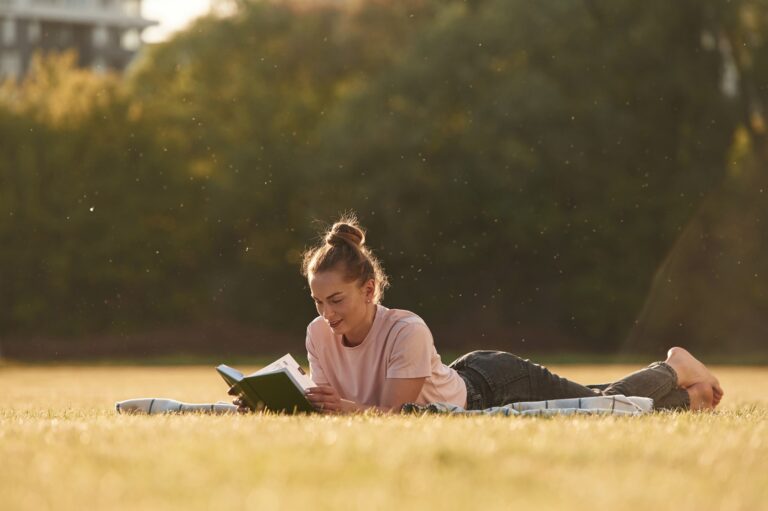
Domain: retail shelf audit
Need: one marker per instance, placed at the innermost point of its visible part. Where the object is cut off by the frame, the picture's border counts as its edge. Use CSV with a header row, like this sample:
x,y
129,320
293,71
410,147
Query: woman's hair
x,y
343,248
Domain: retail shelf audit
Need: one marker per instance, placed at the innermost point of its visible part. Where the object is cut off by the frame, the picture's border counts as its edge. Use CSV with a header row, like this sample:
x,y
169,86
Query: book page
x,y
293,368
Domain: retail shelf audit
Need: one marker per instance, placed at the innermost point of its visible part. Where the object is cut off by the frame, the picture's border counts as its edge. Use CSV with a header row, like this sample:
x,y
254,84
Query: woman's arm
x,y
396,392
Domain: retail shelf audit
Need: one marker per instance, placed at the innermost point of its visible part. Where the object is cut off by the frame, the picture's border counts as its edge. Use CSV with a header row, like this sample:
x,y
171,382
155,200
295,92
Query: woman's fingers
x,y
322,394
242,406
321,391
325,399
321,401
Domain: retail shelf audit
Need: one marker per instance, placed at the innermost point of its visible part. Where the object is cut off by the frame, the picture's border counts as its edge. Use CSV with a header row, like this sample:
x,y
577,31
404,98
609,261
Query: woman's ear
x,y
369,289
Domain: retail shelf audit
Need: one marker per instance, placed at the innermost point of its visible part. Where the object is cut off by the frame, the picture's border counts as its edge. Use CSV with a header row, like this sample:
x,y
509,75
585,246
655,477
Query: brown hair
x,y
343,247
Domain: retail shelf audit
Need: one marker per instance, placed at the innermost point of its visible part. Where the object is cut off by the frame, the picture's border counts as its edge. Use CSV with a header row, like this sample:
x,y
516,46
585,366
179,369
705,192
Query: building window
x,y
131,40
9,31
100,36
10,64
34,31
63,36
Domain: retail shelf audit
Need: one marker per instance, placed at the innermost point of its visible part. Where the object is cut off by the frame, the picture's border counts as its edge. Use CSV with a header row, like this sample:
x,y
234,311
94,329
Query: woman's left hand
x,y
326,400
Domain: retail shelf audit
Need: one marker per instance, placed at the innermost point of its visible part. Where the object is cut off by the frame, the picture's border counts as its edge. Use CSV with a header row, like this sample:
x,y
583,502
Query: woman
x,y
363,355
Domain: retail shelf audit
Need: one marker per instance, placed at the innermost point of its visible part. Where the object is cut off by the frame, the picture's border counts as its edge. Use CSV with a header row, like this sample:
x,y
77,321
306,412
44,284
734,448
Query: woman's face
x,y
343,305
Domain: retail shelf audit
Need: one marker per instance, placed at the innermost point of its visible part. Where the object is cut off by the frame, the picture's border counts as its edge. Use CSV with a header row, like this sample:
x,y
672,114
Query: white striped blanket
x,y
159,405
597,405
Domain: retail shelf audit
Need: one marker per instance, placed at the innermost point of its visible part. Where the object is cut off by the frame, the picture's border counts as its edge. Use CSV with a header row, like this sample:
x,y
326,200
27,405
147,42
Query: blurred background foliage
x,y
576,176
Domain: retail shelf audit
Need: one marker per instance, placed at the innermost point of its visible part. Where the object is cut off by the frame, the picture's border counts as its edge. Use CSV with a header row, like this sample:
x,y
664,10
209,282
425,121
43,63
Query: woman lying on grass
x,y
364,356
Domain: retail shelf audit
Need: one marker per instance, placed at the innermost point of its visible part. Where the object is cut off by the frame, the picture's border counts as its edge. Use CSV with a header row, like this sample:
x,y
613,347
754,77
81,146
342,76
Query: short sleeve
x,y
316,372
411,355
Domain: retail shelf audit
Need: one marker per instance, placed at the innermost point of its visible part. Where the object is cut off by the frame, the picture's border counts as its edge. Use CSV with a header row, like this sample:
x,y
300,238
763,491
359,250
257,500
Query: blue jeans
x,y
497,378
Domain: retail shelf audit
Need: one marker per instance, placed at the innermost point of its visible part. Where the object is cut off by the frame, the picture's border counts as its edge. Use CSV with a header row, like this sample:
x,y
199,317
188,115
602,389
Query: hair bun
x,y
343,232
342,249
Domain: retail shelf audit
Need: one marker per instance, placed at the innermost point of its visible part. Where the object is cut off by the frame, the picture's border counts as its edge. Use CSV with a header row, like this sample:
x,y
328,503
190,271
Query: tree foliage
x,y
524,168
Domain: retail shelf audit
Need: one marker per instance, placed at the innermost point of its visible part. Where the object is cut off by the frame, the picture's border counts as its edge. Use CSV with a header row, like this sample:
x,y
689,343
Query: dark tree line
x,y
581,175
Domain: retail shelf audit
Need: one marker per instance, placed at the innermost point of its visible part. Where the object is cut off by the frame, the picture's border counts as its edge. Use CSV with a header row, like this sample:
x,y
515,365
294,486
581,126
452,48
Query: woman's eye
x,y
335,301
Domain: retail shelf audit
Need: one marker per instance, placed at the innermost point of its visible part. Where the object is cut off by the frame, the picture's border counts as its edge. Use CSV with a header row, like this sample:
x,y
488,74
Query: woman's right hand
x,y
239,402
242,406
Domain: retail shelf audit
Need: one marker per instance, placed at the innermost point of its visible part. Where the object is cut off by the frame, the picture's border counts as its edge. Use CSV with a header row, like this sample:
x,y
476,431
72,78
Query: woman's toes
x,y
717,396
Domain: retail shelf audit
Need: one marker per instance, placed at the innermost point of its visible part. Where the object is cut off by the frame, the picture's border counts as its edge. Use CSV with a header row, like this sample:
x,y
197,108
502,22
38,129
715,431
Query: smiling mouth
x,y
334,325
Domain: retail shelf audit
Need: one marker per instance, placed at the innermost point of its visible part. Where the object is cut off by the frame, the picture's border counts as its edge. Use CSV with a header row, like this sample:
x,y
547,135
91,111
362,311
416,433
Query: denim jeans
x,y
497,378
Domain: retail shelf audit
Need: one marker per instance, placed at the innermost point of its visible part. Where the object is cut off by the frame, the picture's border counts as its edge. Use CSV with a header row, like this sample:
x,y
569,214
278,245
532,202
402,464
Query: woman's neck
x,y
357,338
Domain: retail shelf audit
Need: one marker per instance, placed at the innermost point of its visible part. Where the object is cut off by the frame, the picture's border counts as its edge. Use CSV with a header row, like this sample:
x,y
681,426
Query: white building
x,y
105,33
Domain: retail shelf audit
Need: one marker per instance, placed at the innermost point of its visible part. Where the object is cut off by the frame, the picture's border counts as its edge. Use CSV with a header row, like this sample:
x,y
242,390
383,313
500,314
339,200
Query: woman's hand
x,y
326,400
239,401
242,405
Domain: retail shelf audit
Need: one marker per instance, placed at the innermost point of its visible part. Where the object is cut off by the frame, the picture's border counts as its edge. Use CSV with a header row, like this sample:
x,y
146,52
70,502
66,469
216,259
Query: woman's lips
x,y
336,324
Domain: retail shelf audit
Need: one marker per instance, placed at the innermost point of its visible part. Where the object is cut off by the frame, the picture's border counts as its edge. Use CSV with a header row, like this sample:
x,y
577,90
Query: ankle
x,y
678,360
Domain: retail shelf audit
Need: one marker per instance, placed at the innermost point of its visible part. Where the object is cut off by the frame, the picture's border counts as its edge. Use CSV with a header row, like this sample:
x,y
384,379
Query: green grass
x,y
63,448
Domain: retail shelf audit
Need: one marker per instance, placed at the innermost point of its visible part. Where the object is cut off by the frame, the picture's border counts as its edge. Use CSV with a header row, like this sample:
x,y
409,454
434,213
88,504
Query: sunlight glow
x,y
173,15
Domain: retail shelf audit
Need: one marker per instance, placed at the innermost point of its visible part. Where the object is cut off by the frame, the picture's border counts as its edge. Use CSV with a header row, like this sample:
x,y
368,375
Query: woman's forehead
x,y
327,280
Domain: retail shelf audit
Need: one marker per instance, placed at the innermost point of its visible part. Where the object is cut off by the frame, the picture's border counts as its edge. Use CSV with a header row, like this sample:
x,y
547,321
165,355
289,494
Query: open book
x,y
279,387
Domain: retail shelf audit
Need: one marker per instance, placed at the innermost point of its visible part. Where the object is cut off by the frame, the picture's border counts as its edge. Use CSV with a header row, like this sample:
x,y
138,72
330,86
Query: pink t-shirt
x,y
399,345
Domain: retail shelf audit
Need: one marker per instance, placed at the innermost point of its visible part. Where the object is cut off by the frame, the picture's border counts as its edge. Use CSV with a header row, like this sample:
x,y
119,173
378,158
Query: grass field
x,y
62,447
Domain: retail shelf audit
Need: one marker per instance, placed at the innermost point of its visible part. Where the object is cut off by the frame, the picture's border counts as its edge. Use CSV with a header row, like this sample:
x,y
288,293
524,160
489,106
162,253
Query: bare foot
x,y
701,396
690,371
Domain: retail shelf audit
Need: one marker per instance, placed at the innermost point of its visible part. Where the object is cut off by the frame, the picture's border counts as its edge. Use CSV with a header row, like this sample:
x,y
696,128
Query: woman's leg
x,y
680,382
497,378
657,381
676,399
